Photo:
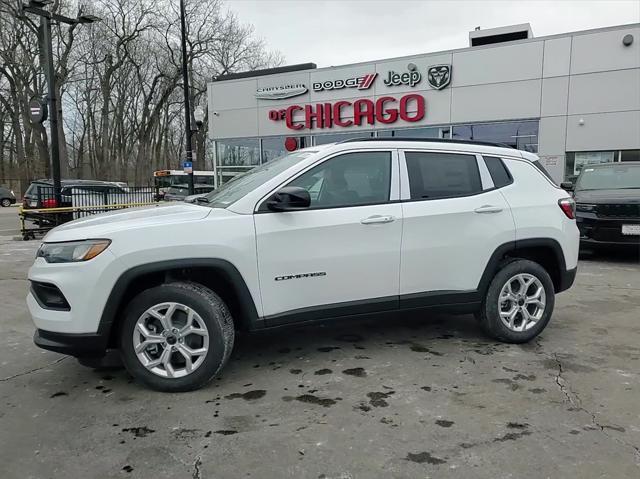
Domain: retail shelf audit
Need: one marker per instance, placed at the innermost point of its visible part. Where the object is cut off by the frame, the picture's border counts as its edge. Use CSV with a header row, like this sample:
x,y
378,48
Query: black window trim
x,y
261,206
405,172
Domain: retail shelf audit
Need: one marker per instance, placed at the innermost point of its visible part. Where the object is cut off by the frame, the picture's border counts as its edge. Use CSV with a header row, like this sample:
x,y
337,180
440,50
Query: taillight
x,y
49,203
568,206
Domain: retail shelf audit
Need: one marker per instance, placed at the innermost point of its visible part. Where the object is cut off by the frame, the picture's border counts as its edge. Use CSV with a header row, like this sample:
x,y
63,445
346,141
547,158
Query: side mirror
x,y
289,198
567,185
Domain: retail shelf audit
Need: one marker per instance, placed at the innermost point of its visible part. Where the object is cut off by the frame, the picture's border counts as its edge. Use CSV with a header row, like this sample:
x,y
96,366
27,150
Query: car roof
x,y
457,146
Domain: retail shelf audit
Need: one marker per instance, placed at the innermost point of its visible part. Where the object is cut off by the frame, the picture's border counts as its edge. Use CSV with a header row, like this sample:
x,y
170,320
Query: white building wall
x,y
589,76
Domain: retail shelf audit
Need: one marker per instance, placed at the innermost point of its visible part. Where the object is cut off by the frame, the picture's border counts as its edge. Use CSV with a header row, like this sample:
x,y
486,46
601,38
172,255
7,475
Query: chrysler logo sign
x,y
281,92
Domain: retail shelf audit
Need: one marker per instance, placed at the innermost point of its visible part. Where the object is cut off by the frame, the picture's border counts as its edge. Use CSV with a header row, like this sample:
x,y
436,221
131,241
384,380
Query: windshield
x,y
236,188
609,178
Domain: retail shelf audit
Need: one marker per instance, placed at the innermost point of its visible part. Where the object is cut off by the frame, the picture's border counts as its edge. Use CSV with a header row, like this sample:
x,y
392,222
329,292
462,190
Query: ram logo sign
x,y
439,76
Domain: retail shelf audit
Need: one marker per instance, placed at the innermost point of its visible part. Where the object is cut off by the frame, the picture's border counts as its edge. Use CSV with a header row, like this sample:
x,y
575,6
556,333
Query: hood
x,y
599,197
101,225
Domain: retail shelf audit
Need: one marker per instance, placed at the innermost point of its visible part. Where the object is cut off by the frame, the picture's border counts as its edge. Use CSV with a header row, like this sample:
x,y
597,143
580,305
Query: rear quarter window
x,y
498,171
543,170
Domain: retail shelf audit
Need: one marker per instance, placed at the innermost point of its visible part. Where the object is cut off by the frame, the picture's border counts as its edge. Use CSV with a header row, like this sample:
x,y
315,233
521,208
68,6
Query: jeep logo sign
x,y
411,78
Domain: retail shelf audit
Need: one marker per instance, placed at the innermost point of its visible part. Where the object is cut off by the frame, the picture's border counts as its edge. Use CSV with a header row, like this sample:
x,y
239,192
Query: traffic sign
x,y
38,111
187,166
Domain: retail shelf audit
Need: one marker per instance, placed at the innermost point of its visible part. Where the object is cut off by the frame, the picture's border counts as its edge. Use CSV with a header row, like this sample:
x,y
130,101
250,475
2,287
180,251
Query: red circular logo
x,y
291,144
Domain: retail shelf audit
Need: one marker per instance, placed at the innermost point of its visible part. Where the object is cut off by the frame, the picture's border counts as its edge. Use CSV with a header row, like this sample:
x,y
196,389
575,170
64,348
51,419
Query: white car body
x,y
342,260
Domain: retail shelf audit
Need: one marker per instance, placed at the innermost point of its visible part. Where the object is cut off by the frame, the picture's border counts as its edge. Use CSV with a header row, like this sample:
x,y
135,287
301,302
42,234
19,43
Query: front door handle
x,y
488,209
377,219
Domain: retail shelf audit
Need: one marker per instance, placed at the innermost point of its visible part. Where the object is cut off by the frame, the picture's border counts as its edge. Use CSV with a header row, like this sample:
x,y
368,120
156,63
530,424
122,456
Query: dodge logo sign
x,y
439,76
361,83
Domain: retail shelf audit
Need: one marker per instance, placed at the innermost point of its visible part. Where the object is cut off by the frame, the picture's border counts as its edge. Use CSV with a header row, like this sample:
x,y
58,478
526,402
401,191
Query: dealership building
x,y
573,99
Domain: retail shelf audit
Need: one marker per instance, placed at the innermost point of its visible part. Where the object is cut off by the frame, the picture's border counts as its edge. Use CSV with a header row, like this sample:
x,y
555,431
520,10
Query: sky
x,y
337,32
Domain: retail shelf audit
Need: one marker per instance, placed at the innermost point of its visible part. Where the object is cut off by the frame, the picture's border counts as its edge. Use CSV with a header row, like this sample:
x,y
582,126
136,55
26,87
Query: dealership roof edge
x,y
266,71
285,69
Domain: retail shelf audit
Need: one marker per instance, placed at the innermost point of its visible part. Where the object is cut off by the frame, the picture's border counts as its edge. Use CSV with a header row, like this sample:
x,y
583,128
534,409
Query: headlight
x,y
72,251
585,208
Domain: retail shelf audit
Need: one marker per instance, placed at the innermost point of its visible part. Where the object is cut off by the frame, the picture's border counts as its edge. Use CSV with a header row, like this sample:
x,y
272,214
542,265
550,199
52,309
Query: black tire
x,y
489,316
213,312
6,202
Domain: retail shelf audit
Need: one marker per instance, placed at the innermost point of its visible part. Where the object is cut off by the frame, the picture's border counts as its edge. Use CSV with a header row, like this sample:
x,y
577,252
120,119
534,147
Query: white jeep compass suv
x,y
331,231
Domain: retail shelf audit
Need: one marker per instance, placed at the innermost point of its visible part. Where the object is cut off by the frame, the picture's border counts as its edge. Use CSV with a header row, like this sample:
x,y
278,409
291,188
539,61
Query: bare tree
x,y
119,82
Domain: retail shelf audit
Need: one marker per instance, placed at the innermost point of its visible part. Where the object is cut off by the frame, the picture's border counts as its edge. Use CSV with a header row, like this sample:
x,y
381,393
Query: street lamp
x,y
198,116
36,7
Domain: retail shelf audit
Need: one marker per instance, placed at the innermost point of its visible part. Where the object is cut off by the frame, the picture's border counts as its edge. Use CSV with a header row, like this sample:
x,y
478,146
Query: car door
x,y
341,255
454,218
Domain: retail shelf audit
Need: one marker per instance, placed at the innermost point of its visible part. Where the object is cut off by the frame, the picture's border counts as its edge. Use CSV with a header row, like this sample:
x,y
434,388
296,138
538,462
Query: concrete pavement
x,y
397,397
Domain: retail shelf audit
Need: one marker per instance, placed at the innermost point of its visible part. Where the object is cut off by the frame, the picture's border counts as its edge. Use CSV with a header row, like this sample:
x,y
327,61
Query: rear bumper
x,y
567,279
78,345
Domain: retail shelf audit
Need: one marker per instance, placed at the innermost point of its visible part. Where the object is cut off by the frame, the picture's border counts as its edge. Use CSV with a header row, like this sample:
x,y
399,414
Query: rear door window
x,y
434,175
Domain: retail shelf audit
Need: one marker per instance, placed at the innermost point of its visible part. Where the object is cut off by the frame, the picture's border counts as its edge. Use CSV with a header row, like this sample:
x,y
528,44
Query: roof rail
x,y
428,140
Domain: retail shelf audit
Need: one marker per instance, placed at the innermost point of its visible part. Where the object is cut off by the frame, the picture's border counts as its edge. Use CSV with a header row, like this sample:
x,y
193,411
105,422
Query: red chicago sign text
x,y
385,110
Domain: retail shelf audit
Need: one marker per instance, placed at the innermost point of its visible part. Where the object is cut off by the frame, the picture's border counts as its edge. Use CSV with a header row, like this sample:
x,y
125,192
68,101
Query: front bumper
x,y
78,345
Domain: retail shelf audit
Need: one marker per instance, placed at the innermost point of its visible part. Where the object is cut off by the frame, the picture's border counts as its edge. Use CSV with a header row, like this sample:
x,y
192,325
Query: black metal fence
x,y
43,208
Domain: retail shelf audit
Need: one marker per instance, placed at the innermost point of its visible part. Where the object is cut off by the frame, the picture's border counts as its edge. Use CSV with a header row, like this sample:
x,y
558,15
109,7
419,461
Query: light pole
x,y
36,7
187,104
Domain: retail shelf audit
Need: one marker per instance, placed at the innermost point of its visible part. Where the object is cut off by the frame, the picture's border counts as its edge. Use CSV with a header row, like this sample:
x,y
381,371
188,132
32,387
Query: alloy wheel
x,y
522,302
171,340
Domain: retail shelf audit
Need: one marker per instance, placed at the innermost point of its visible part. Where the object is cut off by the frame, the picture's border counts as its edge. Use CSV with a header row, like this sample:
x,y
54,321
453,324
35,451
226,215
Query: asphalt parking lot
x,y
396,397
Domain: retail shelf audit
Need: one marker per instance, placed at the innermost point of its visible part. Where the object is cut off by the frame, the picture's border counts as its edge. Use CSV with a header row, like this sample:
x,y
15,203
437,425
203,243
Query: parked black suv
x,y
608,204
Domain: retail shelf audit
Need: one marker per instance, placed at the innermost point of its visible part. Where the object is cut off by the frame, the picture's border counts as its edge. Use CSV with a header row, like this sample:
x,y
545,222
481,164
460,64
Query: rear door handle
x,y
488,209
377,219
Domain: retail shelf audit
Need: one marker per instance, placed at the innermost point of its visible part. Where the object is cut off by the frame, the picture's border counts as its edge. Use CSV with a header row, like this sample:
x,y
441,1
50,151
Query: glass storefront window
x,y
418,133
577,160
430,132
273,146
630,155
522,135
335,137
385,133
238,152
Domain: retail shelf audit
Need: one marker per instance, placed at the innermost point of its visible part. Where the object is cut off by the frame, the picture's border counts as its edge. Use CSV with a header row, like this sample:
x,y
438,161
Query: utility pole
x,y
187,102
50,72
36,7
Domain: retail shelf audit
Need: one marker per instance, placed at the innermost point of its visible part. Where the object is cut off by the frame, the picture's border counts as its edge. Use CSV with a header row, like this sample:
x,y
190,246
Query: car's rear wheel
x,y
519,302
176,337
6,202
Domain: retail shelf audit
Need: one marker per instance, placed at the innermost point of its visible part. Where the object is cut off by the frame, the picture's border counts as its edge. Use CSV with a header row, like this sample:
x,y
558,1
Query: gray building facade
x,y
573,99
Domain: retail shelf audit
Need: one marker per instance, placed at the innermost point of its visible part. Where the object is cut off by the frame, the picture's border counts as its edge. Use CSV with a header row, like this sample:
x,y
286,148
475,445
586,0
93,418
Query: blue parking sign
x,y
187,166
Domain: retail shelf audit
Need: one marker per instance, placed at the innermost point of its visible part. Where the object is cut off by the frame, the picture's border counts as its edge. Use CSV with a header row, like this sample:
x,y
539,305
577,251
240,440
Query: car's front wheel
x,y
6,202
518,303
176,336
